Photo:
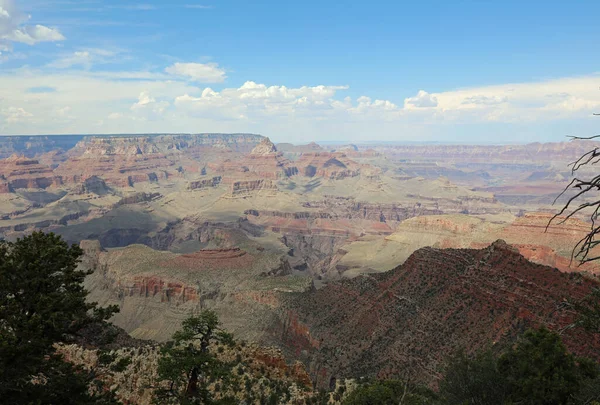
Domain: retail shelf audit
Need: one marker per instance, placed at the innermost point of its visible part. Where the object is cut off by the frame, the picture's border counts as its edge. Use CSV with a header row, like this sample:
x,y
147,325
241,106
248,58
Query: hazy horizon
x,y
277,140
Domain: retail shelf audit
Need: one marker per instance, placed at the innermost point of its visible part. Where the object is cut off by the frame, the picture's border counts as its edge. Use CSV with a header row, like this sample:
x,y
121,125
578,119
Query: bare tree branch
x,y
584,188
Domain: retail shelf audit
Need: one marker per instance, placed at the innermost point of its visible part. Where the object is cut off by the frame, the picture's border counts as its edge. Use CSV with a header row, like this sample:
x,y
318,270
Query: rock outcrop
x,y
327,165
265,147
204,183
245,187
94,185
263,162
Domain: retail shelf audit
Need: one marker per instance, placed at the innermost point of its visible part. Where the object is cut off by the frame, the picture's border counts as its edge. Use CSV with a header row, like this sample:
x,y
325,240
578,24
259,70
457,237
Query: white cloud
x,y
154,102
198,6
15,114
522,102
31,35
138,7
484,100
366,105
144,100
253,100
199,72
14,28
147,107
63,112
421,100
5,57
79,58
87,58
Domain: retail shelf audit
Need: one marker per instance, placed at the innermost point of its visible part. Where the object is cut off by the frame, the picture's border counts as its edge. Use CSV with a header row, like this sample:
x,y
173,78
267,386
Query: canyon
x,y
333,211
297,245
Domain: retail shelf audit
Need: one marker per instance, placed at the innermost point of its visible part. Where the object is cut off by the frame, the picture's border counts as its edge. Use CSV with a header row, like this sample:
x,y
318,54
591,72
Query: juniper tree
x,y
187,366
42,302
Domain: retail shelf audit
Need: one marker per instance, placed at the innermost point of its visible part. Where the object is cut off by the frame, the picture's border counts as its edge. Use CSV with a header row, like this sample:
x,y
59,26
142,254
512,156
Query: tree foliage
x,y
390,392
538,370
588,310
187,366
473,380
42,302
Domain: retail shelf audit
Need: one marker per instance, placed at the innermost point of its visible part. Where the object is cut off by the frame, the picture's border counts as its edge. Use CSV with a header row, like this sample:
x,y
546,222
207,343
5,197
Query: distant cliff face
x,y
31,146
167,143
412,317
19,172
558,151
124,161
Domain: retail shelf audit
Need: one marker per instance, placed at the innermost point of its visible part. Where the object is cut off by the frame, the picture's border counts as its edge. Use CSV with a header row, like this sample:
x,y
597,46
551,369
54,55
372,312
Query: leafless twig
x,y
584,187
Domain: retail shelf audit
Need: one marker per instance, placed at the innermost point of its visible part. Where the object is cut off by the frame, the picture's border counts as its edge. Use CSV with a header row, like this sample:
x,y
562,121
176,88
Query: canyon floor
x,y
309,246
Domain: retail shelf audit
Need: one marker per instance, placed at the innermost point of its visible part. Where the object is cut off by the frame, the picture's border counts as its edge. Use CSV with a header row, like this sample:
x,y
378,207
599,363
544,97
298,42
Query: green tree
x,y
540,370
390,392
475,381
537,370
187,367
43,302
588,310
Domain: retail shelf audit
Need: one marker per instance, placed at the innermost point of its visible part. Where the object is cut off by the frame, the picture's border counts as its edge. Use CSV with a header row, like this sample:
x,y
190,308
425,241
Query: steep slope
x,y
412,317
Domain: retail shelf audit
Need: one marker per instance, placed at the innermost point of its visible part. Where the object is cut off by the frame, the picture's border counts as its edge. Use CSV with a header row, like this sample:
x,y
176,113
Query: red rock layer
x,y
20,172
125,161
271,167
168,291
118,170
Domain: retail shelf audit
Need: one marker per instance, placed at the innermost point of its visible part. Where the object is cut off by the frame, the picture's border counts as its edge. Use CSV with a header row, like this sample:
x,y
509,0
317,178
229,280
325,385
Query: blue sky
x,y
300,71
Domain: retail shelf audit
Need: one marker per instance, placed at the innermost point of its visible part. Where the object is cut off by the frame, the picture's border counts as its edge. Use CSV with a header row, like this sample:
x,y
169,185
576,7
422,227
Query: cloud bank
x,y
177,100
